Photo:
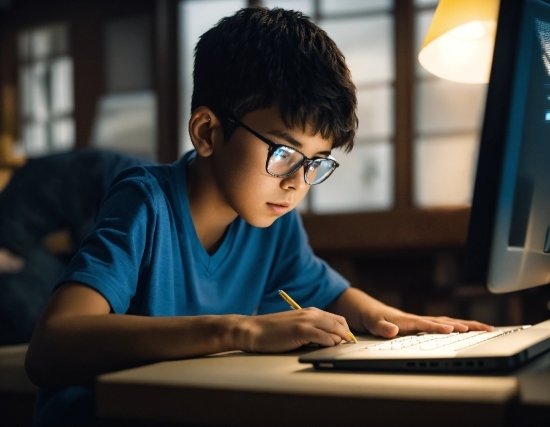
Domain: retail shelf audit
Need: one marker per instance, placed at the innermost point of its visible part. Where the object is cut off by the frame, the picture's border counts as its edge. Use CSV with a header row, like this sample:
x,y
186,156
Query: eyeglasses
x,y
283,161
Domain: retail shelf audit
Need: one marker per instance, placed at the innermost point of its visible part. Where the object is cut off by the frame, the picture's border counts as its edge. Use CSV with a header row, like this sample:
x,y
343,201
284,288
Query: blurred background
x,y
393,218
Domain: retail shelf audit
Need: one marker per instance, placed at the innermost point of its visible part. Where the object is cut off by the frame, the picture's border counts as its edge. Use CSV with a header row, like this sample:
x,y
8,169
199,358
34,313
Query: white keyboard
x,y
455,340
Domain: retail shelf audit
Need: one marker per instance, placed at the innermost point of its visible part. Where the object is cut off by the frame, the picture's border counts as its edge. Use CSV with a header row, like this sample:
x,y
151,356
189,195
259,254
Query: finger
x,y
413,325
457,326
478,326
330,323
337,339
464,324
318,336
340,319
384,329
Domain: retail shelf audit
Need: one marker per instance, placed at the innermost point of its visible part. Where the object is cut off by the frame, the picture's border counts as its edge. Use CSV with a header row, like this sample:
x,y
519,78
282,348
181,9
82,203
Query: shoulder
x,y
109,163
150,176
163,175
155,190
135,185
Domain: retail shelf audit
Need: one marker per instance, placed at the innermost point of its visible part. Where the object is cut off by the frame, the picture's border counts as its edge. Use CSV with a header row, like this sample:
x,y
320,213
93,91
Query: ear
x,y
205,130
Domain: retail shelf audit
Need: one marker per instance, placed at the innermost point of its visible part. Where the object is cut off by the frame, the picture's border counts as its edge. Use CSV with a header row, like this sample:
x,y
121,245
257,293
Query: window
x,y
364,33
46,90
447,123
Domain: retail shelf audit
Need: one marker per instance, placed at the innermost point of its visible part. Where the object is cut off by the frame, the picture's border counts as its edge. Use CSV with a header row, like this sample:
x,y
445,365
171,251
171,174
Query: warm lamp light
x,y
460,41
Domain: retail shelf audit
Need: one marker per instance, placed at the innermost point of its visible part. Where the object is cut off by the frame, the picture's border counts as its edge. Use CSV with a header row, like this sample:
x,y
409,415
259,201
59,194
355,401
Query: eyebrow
x,y
288,138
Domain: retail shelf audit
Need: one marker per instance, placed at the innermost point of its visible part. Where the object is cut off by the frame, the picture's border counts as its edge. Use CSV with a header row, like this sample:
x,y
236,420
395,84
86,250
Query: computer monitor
x,y
509,242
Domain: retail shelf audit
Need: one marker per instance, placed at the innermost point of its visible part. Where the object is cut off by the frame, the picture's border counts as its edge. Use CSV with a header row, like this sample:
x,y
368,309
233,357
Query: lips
x,y
279,208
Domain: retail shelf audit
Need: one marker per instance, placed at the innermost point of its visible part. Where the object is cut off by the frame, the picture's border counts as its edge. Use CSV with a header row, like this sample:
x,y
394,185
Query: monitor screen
x,y
509,240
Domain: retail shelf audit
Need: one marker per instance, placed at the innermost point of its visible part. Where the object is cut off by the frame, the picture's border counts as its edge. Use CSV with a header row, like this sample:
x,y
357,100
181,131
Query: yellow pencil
x,y
295,306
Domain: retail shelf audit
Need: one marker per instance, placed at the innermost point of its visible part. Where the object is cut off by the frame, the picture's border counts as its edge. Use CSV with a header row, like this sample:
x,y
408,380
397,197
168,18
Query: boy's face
x,y
240,168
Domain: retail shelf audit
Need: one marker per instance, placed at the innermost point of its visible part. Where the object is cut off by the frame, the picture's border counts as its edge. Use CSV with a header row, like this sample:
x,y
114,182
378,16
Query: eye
x,y
282,154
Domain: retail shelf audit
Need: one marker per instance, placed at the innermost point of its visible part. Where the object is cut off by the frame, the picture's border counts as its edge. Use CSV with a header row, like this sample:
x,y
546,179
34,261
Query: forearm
x,y
77,339
75,350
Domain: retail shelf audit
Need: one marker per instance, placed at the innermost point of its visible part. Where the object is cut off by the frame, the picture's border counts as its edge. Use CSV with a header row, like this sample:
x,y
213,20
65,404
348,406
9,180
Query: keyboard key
x,y
428,345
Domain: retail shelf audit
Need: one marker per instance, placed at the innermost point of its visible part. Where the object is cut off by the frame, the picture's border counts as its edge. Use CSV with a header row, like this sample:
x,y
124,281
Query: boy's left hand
x,y
364,313
389,322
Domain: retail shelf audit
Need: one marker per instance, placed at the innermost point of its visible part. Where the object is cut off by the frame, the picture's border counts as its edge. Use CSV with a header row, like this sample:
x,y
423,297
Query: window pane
x,y
35,137
63,134
444,169
38,92
338,6
196,17
375,113
444,106
423,21
62,86
126,122
41,43
304,6
366,174
367,44
426,3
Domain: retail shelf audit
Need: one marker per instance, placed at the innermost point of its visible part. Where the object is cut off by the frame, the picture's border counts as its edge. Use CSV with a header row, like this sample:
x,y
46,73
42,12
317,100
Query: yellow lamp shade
x,y
460,41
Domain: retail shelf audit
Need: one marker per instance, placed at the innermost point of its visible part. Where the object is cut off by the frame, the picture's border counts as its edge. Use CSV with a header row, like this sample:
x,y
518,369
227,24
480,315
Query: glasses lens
x,y
319,170
283,161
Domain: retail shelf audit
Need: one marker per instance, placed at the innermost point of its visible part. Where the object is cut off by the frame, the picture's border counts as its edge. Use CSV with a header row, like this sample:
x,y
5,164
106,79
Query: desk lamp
x,y
459,43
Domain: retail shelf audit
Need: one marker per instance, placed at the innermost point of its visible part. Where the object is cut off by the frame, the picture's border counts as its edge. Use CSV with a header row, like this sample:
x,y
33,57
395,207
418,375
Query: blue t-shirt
x,y
145,258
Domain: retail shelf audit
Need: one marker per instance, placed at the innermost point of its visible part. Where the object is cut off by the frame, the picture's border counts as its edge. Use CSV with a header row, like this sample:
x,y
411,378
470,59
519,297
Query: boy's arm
x,y
366,314
77,338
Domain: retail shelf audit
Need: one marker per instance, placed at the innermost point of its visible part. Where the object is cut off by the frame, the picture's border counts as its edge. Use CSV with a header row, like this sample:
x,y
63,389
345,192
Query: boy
x,y
187,259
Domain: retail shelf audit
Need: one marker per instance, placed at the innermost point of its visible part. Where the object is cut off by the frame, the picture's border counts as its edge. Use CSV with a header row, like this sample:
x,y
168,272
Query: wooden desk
x,y
237,389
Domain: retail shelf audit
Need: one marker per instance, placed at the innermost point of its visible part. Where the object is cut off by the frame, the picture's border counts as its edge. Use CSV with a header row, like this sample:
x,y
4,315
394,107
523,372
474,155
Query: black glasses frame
x,y
274,146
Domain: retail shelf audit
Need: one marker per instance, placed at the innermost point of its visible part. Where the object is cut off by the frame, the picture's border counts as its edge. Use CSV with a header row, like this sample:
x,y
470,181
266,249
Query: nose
x,y
296,181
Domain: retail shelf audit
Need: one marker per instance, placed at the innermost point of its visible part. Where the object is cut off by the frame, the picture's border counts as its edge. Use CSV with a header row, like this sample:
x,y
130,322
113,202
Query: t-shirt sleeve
x,y
310,281
112,255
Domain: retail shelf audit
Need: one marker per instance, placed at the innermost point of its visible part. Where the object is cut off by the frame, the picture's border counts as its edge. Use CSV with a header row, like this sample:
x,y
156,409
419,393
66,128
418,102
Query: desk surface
x,y
234,389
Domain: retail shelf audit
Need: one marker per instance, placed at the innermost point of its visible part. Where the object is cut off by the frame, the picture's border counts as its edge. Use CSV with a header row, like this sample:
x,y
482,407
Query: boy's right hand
x,y
288,330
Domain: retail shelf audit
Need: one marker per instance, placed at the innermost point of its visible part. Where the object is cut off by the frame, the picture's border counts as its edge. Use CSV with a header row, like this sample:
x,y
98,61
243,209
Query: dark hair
x,y
263,57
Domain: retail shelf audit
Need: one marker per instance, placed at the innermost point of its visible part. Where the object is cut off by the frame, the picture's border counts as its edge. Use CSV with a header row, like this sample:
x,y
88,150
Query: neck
x,y
210,212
